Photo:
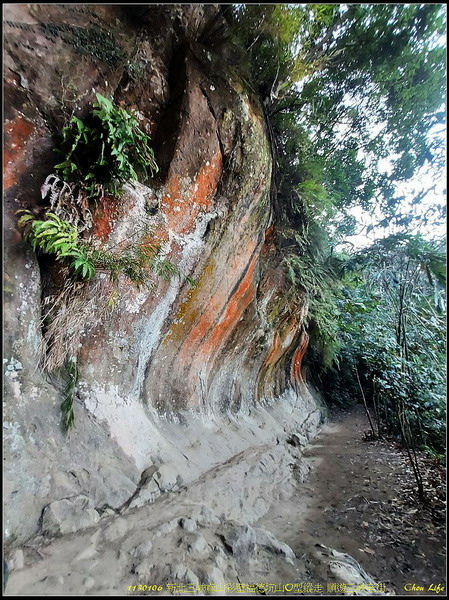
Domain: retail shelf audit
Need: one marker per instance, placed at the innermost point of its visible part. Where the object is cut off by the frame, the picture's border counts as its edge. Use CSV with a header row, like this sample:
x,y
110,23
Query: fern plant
x,y
59,237
107,150
317,281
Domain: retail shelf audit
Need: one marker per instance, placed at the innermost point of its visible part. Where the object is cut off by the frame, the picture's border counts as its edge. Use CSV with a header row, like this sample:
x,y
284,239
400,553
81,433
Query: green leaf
x,y
104,102
47,232
67,164
78,263
80,125
24,219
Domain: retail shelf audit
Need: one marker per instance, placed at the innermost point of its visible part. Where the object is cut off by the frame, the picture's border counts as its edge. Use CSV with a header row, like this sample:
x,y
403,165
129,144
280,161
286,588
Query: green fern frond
x,y
109,149
26,218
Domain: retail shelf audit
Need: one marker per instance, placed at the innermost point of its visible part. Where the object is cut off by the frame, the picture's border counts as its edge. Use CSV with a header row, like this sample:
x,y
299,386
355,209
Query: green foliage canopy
x,y
392,311
354,98
363,82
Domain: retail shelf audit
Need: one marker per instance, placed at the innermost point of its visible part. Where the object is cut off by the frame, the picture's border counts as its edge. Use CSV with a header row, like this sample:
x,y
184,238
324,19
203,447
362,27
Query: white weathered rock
x,y
89,583
206,516
343,568
145,569
86,554
142,550
16,560
52,580
147,494
188,524
119,487
182,573
69,515
198,545
214,576
266,540
168,478
116,530
178,571
190,577
221,563
95,538
168,527
298,440
147,475
240,540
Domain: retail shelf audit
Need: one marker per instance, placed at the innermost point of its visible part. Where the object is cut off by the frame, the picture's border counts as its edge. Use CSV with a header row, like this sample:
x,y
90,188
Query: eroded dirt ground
x,y
356,500
360,500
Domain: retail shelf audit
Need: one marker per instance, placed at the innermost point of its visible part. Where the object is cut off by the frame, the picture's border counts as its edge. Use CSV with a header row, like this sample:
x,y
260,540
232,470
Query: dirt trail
x,y
355,500
358,500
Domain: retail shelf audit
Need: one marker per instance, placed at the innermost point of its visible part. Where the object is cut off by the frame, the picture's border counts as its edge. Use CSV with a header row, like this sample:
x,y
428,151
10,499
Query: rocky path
x,y
324,533
359,500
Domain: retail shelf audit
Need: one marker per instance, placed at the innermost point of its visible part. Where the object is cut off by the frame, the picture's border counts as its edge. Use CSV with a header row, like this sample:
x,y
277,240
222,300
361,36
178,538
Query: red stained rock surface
x,y
212,215
107,212
184,203
298,356
170,351
17,135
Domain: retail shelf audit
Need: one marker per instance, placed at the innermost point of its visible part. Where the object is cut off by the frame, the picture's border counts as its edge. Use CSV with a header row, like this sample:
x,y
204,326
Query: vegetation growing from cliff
x,y
100,155
56,236
346,86
106,151
354,102
60,238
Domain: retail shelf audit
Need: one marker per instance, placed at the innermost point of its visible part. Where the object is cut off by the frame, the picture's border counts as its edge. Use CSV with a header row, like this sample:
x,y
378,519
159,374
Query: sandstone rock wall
x,y
180,378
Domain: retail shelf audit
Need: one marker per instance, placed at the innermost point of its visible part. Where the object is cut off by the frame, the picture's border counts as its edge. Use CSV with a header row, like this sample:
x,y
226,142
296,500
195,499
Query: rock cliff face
x,y
176,381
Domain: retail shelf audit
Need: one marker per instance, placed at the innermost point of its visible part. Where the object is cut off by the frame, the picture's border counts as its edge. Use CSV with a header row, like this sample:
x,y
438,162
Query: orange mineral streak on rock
x,y
281,342
105,216
160,235
220,316
269,234
188,311
268,244
235,308
184,202
295,373
17,134
274,349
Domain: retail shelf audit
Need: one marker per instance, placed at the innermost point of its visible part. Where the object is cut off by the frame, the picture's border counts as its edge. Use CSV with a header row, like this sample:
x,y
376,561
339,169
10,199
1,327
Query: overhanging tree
x,y
347,88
